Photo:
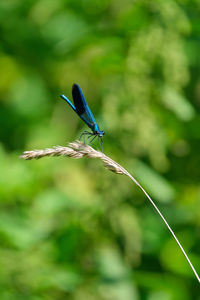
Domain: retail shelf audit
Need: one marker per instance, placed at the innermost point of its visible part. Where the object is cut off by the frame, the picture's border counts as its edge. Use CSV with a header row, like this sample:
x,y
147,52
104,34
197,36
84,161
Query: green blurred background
x,y
69,229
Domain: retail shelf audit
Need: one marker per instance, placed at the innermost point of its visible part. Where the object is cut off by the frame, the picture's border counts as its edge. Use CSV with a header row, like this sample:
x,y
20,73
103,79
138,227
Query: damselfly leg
x,y
84,134
90,137
100,142
93,137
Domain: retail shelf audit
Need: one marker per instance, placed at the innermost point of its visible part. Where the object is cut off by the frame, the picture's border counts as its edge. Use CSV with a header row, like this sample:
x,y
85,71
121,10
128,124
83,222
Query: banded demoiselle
x,y
83,111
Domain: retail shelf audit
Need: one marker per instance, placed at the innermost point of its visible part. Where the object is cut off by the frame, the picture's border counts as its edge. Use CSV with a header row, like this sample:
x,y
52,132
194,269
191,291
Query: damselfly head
x,y
100,133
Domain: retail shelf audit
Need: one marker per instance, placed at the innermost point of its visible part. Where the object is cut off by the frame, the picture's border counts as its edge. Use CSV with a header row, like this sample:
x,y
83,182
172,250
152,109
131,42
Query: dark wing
x,y
81,106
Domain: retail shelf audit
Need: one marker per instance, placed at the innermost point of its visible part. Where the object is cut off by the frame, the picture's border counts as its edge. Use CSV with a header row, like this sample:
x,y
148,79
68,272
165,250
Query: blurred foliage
x,y
69,229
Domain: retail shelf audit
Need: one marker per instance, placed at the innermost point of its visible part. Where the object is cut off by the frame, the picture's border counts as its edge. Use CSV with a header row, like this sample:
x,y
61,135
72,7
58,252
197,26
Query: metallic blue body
x,y
83,111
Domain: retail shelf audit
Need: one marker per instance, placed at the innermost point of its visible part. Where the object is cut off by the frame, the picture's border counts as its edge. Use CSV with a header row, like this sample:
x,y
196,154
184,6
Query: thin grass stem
x,y
78,150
